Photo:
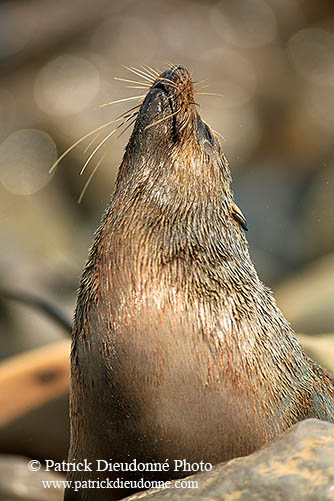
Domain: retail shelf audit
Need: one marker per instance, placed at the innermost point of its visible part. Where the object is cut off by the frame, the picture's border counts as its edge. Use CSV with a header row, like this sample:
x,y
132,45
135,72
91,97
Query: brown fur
x,y
179,350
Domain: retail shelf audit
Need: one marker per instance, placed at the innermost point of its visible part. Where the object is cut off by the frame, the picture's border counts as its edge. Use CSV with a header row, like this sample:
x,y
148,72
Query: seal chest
x,y
179,351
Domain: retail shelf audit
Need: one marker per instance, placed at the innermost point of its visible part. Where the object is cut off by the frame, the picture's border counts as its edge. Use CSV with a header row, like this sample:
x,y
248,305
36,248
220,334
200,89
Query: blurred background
x,y
272,61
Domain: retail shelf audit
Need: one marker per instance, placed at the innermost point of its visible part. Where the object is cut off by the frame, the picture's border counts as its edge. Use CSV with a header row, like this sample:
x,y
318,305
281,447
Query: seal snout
x,y
174,89
174,81
168,110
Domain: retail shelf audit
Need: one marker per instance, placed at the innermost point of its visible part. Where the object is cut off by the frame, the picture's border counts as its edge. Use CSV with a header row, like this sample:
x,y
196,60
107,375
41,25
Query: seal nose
x,y
180,70
173,78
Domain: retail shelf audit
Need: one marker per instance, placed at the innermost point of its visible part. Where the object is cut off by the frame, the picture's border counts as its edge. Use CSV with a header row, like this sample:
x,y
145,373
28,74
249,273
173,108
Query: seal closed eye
x,y
178,349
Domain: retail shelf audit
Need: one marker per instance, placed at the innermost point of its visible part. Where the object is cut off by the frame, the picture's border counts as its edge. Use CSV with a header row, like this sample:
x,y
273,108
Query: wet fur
x,y
179,350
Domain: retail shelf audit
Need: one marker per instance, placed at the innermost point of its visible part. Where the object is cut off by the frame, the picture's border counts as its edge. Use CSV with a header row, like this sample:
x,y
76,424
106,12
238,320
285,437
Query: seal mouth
x,y
171,97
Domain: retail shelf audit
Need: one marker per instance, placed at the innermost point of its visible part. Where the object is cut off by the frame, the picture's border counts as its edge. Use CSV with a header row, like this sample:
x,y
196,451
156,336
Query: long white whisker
x,y
162,119
97,149
139,73
121,100
104,126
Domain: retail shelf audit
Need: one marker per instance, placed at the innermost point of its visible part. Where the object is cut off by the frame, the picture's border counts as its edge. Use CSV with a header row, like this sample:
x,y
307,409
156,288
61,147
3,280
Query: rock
x,y
298,465
18,483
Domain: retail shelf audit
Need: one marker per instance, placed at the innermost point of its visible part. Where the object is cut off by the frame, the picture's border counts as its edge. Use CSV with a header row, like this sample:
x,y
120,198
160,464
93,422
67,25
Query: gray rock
x,y
299,465
18,483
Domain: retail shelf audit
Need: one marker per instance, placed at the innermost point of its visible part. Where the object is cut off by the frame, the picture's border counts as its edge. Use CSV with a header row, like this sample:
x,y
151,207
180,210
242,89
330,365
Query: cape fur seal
x,y
179,351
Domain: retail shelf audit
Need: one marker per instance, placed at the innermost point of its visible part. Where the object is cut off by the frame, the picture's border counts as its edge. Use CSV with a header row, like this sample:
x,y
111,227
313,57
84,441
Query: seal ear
x,y
238,216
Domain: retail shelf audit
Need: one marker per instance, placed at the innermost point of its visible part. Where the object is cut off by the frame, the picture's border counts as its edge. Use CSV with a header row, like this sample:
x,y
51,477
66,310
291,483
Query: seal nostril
x,y
160,85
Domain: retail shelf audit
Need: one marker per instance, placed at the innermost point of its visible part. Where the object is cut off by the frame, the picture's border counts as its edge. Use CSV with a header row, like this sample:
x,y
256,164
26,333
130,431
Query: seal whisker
x,y
219,134
200,81
140,73
127,118
175,68
162,119
92,142
59,159
101,143
126,128
136,87
123,100
92,174
143,84
124,115
169,82
204,87
100,128
155,73
105,153
171,65
185,124
209,94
